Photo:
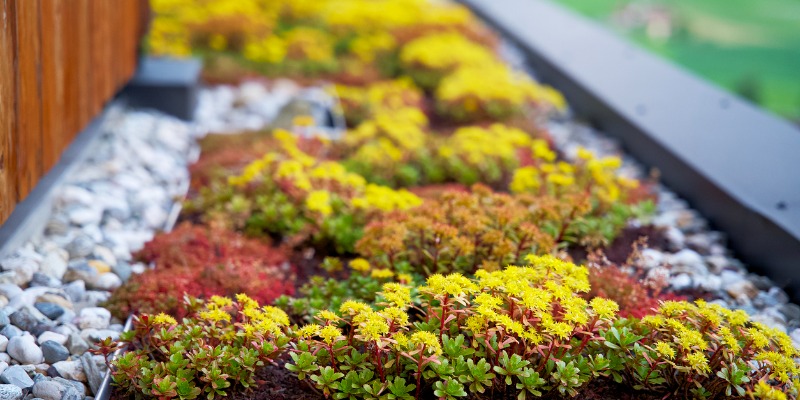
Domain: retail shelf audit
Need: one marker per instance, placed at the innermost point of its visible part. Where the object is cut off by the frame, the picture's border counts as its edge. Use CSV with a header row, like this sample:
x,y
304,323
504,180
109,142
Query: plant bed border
x,y
733,161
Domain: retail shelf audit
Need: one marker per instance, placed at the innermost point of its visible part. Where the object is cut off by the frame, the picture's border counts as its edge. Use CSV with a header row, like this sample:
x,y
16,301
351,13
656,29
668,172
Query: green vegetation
x,y
749,47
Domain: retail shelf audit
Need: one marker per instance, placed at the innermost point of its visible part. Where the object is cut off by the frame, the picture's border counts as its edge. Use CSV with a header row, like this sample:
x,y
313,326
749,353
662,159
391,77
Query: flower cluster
x,y
167,359
362,103
298,197
492,92
519,331
430,58
463,231
202,262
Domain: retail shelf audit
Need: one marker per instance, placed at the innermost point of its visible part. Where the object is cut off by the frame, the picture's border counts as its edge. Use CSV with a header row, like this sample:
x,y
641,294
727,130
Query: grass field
x,y
748,46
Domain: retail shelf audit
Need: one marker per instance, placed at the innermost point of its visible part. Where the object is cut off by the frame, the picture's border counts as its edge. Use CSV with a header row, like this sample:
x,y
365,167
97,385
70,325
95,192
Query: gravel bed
x,y
116,200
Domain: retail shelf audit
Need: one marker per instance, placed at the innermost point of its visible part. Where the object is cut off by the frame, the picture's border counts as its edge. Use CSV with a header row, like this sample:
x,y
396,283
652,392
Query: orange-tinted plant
x,y
202,262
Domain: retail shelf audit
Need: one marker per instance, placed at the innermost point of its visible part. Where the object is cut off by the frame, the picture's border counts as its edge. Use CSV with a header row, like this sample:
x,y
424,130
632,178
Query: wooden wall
x,y
60,62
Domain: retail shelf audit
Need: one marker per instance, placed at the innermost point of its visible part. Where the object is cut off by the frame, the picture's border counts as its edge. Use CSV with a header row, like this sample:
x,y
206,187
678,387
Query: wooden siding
x,y
60,62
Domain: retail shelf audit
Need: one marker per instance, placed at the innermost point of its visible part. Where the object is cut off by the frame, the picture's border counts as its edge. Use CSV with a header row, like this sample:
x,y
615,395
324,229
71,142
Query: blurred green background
x,y
750,47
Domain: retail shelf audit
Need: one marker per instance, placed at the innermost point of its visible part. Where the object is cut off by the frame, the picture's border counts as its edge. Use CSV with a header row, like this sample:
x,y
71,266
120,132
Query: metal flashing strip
x,y
734,162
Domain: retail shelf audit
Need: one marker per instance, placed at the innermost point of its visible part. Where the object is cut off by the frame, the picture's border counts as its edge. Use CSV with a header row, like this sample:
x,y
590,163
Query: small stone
x,y
791,311
5,358
24,349
3,343
54,336
710,283
761,282
80,271
122,269
155,217
16,375
24,320
742,288
50,310
105,255
43,280
10,291
94,317
3,366
54,352
73,394
70,370
95,369
54,265
76,344
58,225
99,266
55,298
10,331
4,320
10,392
681,282
72,194
79,387
85,215
48,390
75,290
108,281
19,270
688,261
81,246
651,258
675,237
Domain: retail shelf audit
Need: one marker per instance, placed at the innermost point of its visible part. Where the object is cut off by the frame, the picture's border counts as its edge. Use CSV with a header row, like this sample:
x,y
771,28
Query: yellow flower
x,y
164,319
352,307
398,294
665,350
398,316
605,308
382,273
765,391
319,201
698,361
373,327
427,339
215,315
219,302
308,331
329,334
360,265
327,315
401,340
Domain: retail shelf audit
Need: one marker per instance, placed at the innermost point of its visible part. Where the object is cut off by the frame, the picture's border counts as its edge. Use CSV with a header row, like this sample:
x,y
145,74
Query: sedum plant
x,y
464,231
518,332
202,262
525,332
492,92
299,198
429,59
360,103
363,284
216,349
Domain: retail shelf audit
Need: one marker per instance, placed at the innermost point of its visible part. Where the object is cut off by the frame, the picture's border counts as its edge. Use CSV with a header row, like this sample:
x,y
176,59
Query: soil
x,y
278,383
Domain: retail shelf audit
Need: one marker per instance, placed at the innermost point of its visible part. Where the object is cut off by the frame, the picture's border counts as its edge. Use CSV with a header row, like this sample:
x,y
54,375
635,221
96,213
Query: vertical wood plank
x,y
84,59
29,93
8,187
53,83
60,62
